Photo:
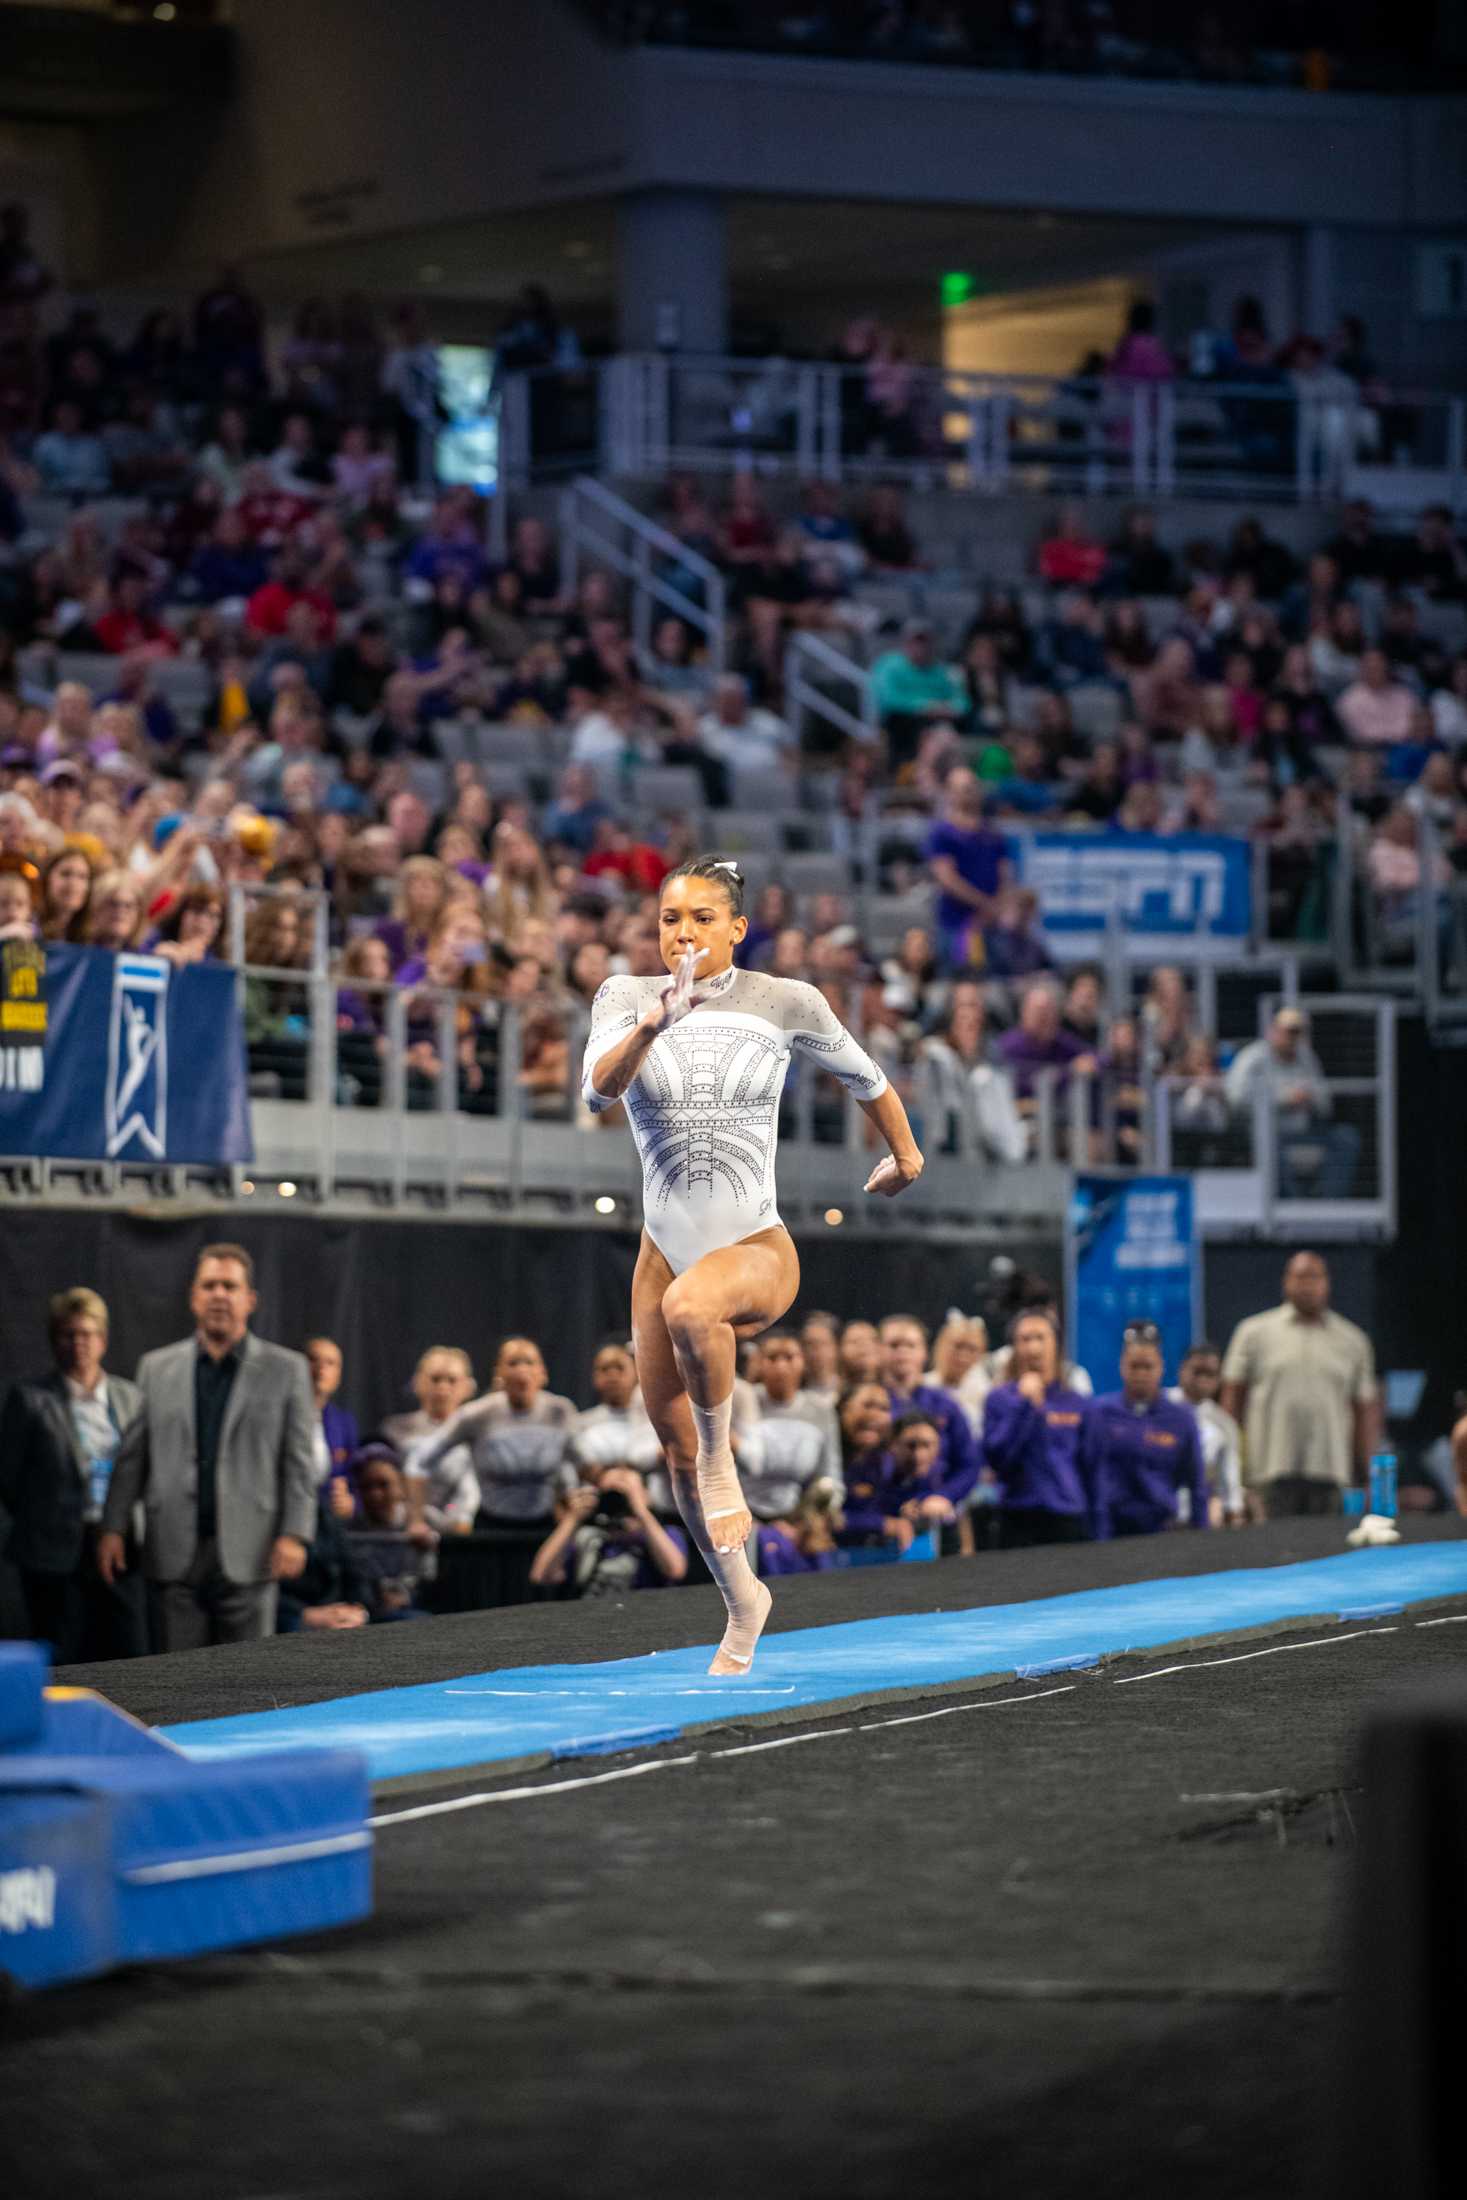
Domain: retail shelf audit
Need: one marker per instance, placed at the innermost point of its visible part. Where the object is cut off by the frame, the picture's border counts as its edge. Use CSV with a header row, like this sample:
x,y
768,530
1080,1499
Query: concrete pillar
x,y
672,271
1318,307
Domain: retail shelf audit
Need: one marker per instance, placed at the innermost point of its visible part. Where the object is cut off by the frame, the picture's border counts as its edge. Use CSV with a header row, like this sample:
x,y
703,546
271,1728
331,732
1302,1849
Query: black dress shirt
x,y
213,1382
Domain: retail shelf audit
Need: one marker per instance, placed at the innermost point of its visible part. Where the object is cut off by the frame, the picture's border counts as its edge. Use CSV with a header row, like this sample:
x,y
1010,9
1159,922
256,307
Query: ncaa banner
x,y
1193,890
1131,1255
120,1058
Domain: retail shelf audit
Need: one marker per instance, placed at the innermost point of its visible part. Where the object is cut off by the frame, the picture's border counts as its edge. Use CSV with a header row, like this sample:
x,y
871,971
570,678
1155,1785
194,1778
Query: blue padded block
x,y
193,1856
58,1913
76,1723
23,1668
210,1856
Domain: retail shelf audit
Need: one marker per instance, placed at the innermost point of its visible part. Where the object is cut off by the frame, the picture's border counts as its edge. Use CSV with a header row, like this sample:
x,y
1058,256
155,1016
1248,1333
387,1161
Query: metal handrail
x,y
802,694
994,431
578,536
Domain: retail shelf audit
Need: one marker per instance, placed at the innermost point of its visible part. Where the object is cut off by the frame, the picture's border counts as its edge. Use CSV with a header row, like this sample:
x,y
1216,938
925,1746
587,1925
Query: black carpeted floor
x,y
1079,1942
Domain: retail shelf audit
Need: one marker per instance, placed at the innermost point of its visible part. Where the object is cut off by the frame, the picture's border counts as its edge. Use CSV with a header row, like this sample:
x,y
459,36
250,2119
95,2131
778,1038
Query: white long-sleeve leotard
x,y
704,1106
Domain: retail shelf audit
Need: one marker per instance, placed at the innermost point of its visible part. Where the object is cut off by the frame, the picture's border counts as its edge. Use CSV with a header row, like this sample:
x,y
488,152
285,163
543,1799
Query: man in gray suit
x,y
59,1437
222,1457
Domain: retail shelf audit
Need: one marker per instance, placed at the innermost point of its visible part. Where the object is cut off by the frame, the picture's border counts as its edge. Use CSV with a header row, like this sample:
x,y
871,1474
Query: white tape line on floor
x,y
1197,1665
669,1764
870,1726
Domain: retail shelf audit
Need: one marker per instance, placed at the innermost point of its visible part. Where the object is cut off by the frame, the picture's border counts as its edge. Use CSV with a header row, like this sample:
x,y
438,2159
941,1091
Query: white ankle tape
x,y
712,1424
718,1477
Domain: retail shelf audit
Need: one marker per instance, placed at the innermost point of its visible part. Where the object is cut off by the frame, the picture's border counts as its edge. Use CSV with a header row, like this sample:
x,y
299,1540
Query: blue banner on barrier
x,y
1193,889
1132,1256
131,1060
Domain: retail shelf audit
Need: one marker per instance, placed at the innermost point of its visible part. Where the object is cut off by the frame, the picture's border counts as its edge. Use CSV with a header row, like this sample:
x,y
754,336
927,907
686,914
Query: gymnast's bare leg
x,y
686,1330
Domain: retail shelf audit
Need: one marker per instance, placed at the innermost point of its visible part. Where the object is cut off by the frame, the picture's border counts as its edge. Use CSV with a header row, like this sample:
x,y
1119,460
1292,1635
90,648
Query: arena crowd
x,y
239,647
855,1439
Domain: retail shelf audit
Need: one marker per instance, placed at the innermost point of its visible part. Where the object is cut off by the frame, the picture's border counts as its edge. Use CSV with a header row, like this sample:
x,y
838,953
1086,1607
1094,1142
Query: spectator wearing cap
x,y
392,1552
913,690
1317,1156
1032,1426
1140,1450
1301,1381
966,861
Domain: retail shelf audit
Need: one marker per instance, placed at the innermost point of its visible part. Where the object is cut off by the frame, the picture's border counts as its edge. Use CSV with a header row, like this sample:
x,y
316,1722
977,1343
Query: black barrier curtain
x,y
386,1290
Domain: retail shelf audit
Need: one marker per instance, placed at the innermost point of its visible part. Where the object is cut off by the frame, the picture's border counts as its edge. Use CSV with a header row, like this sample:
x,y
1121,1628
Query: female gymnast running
x,y
700,1058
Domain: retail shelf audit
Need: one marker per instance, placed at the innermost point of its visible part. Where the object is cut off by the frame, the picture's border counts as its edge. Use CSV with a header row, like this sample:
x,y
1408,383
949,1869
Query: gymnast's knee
x,y
691,1321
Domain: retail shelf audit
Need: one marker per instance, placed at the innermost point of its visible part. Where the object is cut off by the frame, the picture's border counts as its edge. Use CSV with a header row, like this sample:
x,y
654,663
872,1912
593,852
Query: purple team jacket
x,y
1035,1450
1136,1460
960,1458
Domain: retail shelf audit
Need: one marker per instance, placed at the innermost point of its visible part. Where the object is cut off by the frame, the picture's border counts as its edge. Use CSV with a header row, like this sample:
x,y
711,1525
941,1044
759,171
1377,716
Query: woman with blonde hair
x,y
958,1353
417,905
520,885
117,913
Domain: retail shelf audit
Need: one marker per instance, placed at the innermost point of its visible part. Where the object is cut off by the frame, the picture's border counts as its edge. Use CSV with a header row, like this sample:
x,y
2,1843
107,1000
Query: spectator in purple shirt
x,y
904,1344
802,1543
1031,1439
868,1469
1014,945
965,860
1038,1042
450,544
1139,1448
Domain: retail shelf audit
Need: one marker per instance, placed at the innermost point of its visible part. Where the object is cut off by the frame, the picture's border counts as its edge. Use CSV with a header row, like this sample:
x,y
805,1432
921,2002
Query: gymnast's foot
x,y
735,1654
730,1531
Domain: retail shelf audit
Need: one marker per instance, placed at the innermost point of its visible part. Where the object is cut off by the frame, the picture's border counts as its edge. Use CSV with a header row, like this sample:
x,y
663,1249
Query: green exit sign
x,y
958,288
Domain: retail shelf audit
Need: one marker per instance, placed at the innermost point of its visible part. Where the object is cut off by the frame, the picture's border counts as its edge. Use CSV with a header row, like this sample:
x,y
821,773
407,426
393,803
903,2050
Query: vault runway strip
x,y
563,1711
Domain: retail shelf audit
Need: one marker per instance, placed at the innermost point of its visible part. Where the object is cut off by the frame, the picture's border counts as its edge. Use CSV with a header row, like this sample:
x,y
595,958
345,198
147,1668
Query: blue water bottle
x,y
1383,1483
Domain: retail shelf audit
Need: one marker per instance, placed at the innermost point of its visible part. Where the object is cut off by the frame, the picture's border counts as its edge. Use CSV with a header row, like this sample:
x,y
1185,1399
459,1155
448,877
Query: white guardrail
x,y
1289,439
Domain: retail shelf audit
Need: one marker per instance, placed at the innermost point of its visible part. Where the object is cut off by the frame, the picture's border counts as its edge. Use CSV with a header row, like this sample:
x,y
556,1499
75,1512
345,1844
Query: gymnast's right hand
x,y
678,995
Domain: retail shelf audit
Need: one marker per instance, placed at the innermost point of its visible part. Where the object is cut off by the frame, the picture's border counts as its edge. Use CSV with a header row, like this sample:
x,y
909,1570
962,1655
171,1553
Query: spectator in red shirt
x,y
1069,558
129,625
270,607
615,853
271,514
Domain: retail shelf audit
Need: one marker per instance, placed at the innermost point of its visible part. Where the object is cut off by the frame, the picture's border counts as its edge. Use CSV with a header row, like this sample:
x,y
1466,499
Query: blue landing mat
x,y
626,1703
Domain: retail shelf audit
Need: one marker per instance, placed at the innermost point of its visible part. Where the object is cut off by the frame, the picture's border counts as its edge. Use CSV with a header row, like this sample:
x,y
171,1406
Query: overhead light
x,y
164,12
286,1190
835,1216
246,1186
606,1205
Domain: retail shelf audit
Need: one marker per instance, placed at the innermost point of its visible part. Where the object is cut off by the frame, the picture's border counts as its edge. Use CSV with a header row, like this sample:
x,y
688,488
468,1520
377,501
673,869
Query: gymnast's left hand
x,y
893,1173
